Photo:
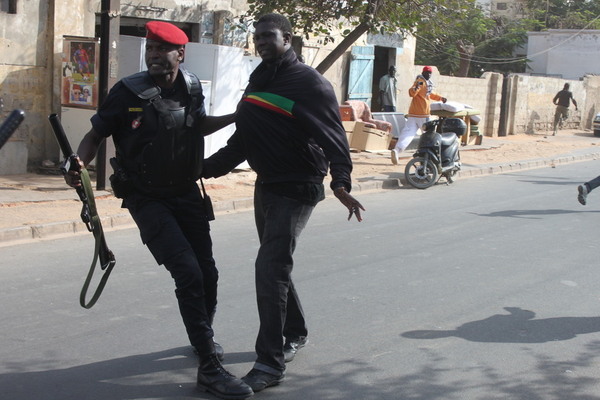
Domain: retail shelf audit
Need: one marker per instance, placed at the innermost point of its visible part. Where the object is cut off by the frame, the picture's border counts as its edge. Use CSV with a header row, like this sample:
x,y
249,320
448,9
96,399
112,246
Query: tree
x,y
452,49
475,44
357,17
561,14
497,52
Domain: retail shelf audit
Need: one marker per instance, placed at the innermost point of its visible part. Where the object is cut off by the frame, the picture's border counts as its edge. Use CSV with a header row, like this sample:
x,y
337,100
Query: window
x,y
8,6
501,6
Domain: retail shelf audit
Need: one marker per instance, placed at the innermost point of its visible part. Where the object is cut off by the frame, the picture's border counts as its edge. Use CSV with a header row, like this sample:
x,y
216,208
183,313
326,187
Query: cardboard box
x,y
349,128
369,139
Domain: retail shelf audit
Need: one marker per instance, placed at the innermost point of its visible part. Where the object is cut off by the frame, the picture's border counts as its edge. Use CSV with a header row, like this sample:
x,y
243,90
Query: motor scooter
x,y
437,154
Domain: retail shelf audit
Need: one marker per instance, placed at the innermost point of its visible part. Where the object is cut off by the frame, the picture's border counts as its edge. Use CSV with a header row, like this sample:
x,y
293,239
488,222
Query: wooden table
x,y
465,115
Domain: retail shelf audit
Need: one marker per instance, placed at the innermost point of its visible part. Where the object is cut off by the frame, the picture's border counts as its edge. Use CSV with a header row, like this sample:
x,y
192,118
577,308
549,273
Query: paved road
x,y
486,289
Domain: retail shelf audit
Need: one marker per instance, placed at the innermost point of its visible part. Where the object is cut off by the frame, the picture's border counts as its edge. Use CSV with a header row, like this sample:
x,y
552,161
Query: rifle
x,y
89,215
11,124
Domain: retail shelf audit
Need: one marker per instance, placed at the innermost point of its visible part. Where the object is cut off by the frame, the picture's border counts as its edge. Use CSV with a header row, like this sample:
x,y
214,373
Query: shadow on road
x,y
168,374
519,326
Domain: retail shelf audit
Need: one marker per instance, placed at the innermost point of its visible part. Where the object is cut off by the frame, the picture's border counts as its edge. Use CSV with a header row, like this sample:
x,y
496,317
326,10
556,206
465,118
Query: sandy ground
x,y
239,184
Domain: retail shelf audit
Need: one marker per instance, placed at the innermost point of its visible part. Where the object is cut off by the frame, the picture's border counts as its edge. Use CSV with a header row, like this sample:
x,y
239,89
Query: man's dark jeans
x,y
279,221
593,184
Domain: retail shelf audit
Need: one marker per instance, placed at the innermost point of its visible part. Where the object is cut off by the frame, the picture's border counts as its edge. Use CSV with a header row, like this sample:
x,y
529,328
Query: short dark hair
x,y
278,20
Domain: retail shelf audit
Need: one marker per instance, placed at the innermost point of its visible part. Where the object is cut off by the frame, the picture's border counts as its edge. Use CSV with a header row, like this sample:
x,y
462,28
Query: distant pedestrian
x,y
418,112
387,91
562,100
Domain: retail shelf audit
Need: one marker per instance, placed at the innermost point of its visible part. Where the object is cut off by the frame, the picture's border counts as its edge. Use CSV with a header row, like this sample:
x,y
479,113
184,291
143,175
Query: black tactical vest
x,y
172,161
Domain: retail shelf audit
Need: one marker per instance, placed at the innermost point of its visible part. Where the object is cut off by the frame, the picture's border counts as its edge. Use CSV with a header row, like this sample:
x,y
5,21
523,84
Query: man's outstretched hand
x,y
350,202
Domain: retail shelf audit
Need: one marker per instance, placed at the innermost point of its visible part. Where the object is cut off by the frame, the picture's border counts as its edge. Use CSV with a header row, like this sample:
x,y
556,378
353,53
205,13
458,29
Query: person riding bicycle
x,y
562,102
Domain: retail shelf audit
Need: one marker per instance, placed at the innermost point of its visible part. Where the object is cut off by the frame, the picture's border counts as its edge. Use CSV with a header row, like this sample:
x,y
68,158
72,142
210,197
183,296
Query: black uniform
x,y
160,149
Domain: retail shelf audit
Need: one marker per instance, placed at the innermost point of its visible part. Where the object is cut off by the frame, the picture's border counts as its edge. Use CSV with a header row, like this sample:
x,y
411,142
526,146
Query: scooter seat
x,y
448,138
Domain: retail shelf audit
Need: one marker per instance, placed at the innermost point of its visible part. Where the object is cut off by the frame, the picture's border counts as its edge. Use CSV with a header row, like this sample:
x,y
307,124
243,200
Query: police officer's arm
x,y
85,154
212,123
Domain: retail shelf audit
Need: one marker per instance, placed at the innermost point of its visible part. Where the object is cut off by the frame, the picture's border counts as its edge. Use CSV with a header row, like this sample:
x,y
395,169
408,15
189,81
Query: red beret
x,y
427,69
165,32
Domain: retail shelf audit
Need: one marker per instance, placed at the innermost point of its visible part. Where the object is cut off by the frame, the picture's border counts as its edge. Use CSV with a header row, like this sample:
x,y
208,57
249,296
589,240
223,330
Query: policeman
x,y
158,123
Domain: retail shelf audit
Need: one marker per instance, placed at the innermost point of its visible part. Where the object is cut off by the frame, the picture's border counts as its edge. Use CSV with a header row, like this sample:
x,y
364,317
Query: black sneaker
x,y
259,380
291,347
582,194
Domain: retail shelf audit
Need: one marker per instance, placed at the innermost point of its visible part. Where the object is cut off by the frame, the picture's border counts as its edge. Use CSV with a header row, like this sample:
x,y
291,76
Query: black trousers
x,y
279,222
177,233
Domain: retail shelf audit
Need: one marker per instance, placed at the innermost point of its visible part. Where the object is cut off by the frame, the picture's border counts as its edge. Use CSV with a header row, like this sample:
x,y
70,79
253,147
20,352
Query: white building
x,y
504,8
564,53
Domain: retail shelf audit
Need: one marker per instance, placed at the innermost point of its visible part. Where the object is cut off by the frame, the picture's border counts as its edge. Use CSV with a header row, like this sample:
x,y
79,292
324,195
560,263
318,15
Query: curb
x,y
25,234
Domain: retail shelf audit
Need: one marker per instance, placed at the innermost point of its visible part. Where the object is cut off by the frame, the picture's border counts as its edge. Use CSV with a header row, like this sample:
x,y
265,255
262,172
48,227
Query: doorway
x,y
384,58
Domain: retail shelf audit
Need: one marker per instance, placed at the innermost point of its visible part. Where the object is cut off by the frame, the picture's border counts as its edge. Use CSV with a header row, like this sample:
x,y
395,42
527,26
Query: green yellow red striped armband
x,y
271,102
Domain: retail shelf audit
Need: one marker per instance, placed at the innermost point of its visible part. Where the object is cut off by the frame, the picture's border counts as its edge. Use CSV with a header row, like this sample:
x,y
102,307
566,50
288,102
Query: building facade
x,y
32,38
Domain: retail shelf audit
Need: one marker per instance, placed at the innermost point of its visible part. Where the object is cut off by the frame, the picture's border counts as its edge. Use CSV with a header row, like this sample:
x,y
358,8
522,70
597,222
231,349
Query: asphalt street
x,y
484,289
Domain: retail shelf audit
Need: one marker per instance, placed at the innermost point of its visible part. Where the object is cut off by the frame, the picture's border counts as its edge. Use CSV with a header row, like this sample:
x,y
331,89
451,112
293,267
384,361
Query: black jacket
x,y
288,128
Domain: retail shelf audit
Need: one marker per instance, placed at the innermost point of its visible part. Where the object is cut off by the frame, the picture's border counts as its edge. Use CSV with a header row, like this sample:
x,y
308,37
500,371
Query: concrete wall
x,y
530,108
23,80
483,94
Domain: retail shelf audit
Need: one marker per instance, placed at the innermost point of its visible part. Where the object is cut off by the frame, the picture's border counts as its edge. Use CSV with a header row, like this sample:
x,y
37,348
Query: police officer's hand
x,y
350,202
73,177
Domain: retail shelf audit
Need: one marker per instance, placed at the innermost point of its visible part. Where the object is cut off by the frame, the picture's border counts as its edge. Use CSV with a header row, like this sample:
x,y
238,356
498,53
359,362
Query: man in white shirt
x,y
387,91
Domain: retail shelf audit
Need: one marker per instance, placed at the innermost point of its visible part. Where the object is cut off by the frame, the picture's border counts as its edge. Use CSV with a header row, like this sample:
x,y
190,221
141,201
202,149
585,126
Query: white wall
x,y
564,53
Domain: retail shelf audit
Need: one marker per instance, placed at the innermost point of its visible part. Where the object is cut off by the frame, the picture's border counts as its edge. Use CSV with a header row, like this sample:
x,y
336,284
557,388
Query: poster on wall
x,y
80,72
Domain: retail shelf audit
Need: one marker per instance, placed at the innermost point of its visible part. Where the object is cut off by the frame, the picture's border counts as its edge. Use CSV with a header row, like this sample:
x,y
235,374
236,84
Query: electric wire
x,y
505,60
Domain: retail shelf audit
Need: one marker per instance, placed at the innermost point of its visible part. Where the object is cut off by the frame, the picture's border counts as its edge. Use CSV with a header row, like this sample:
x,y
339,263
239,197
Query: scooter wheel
x,y
421,173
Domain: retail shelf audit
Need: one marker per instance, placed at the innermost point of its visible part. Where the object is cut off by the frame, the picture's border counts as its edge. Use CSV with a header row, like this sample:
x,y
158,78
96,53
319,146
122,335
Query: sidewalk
x,y
36,207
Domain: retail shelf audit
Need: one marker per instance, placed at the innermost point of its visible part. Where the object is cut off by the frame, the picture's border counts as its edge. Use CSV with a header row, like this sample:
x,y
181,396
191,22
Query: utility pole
x,y
110,21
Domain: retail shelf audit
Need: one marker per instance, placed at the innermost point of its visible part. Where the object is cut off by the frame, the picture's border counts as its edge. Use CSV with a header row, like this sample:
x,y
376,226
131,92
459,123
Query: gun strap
x,y
98,236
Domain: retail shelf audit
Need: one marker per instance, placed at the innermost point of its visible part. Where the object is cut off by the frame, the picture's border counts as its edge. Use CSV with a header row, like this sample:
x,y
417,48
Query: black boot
x,y
213,378
218,347
218,350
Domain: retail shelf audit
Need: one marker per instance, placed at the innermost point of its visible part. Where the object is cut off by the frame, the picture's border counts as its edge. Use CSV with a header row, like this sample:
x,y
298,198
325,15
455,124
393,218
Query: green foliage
x,y
497,52
561,14
322,17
